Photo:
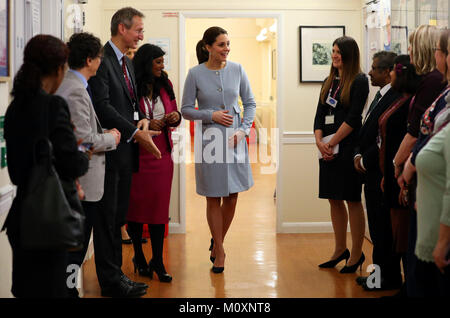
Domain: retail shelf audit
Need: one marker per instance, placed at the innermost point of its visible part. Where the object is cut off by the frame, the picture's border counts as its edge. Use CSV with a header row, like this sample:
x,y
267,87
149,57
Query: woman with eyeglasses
x,y
431,158
422,48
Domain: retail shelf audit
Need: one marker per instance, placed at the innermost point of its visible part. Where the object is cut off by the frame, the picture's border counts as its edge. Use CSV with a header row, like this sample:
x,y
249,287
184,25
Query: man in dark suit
x,y
115,102
366,162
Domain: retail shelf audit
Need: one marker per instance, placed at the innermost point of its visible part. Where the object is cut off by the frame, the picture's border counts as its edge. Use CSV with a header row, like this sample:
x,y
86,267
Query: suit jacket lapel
x,y
109,52
75,78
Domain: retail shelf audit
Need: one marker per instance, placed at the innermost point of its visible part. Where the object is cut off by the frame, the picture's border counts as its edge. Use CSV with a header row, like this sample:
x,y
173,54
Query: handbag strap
x,y
43,147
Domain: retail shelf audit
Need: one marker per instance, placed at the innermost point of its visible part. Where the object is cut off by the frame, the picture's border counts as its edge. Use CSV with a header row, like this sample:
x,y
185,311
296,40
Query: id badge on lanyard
x,y
332,100
148,108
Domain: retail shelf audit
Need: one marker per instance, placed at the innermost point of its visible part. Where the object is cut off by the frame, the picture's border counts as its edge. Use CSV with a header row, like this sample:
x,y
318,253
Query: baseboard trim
x,y
176,228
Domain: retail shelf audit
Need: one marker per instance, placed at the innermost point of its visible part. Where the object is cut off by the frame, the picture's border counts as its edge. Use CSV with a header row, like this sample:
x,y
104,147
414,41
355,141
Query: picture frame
x,y
315,51
5,58
399,39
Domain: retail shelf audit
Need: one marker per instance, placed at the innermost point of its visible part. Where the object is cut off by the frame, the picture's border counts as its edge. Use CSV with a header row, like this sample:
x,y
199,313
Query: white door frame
x,y
182,75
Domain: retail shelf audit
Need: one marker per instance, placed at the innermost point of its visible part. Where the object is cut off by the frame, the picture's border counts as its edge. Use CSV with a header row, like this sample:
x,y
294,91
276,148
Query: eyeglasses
x,y
141,32
437,49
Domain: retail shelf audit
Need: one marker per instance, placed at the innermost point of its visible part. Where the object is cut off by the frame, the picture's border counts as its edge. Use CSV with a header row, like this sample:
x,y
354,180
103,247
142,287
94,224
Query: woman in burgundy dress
x,y
151,186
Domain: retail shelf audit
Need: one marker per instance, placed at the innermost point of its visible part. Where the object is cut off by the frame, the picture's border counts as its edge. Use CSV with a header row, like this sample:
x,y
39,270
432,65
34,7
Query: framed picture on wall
x,y
4,41
399,39
315,51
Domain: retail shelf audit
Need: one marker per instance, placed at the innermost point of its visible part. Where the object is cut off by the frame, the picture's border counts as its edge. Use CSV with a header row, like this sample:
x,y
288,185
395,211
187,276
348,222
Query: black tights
x,y
157,240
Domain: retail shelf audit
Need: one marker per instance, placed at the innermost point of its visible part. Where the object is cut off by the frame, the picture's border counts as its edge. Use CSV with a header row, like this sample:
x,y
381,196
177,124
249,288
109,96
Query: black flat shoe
x,y
123,290
160,272
143,270
334,262
351,269
144,240
361,280
128,281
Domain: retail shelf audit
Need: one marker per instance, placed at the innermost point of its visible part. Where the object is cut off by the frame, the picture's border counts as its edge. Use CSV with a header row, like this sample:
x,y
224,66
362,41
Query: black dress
x,y
338,179
38,273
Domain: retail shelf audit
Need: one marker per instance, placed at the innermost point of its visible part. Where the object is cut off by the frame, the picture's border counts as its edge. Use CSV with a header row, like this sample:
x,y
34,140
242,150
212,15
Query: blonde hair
x,y
423,41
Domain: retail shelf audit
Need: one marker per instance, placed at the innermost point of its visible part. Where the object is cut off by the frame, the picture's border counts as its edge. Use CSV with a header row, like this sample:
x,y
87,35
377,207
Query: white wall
x,y
299,207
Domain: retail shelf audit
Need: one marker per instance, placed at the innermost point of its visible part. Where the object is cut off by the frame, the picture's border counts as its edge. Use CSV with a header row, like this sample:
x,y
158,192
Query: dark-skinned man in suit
x,y
366,162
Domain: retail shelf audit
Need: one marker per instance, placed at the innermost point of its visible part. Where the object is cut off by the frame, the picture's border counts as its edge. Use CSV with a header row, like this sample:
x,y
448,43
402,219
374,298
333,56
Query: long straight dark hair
x,y
350,59
147,83
209,37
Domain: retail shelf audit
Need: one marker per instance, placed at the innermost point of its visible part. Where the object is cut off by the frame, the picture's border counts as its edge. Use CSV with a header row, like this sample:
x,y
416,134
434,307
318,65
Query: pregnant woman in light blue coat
x,y
222,167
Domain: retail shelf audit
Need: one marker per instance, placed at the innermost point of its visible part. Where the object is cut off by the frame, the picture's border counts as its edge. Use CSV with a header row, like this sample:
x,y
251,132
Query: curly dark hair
x,y
143,65
82,46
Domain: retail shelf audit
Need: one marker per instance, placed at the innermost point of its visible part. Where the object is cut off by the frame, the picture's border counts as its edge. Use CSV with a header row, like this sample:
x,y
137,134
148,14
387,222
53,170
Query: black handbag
x,y
51,215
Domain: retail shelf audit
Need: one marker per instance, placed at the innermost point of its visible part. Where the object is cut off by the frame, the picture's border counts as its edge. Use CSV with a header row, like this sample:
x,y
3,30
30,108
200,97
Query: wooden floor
x,y
259,262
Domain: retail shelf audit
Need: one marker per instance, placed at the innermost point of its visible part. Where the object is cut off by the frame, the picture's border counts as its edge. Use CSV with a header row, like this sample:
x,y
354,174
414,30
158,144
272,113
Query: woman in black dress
x,y
338,117
39,273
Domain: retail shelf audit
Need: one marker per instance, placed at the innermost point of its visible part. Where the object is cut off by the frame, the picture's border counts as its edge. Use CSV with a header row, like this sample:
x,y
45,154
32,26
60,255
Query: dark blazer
x,y
69,162
367,137
114,108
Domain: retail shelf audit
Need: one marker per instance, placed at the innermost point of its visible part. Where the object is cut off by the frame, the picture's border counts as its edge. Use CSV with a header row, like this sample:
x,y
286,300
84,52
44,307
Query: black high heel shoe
x,y
160,272
351,269
334,262
217,270
211,258
143,270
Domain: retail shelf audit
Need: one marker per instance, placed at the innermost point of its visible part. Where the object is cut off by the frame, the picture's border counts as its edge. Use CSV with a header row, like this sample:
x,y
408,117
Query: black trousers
x,y
106,217
430,281
380,229
38,274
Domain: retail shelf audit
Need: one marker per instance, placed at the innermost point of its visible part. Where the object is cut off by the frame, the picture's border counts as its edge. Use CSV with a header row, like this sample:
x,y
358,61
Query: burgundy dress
x,y
151,186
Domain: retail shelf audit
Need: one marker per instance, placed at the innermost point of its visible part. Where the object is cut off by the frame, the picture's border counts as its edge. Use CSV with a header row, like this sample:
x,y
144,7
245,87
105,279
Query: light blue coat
x,y
219,169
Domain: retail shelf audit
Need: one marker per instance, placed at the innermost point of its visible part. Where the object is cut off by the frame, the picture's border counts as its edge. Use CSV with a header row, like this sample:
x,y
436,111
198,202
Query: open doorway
x,y
254,44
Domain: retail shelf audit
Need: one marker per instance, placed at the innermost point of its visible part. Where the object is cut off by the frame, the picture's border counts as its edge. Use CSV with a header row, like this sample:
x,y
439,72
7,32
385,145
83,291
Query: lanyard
x,y
336,91
426,123
149,108
437,99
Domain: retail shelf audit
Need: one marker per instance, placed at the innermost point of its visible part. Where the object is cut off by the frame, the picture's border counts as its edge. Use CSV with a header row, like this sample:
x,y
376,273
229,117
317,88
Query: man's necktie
x,y
373,104
127,80
88,88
